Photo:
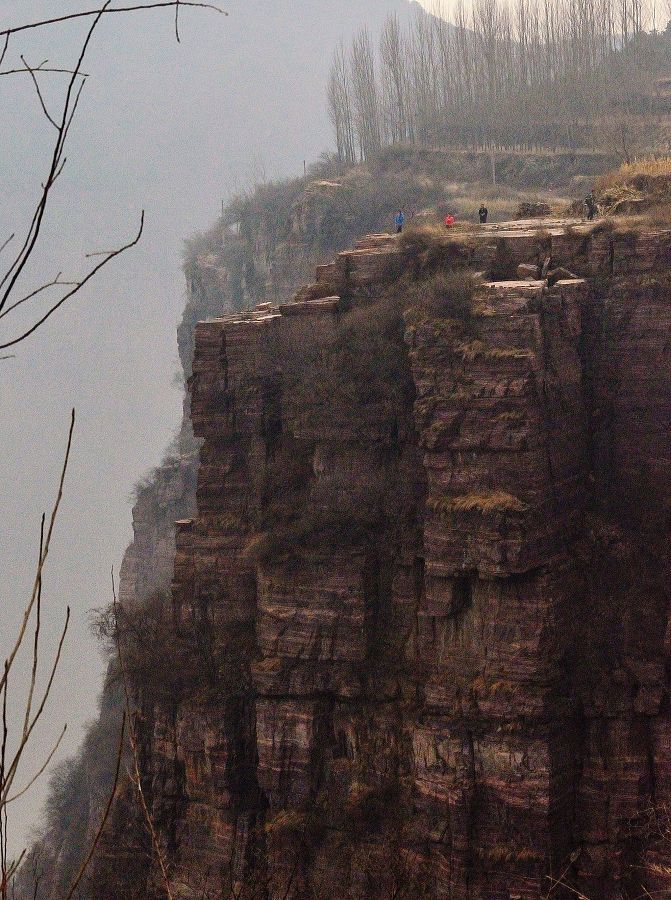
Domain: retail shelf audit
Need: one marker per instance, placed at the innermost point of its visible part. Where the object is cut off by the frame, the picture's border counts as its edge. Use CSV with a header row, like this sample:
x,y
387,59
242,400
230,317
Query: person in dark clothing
x,y
483,212
399,221
590,206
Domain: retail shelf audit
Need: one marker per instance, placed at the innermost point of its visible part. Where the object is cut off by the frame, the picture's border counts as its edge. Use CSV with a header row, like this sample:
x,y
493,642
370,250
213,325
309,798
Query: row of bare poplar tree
x,y
498,73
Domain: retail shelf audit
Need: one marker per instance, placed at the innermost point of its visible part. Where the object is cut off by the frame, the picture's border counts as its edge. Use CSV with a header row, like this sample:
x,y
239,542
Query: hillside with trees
x,y
562,73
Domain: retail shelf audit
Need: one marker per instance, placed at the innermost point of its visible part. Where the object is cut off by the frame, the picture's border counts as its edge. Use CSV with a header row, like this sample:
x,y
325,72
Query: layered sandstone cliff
x,y
424,592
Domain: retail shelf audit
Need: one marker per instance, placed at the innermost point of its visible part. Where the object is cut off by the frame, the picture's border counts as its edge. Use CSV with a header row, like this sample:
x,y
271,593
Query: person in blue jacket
x,y
399,221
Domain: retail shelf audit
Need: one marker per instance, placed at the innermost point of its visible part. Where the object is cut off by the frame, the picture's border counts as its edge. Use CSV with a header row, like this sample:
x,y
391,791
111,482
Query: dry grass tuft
x,y
512,416
639,188
484,310
647,167
269,665
659,870
500,855
444,296
473,350
287,822
483,502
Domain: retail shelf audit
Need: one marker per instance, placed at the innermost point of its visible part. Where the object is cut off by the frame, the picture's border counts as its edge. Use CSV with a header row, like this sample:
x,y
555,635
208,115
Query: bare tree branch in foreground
x,y
117,9
17,737
11,298
10,759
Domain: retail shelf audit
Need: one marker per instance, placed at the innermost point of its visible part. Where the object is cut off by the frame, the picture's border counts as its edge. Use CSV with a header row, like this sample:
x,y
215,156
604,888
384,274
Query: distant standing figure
x,y
399,221
590,204
449,220
483,212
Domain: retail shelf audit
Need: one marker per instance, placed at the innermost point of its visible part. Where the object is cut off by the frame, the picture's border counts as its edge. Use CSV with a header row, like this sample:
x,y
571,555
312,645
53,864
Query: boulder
x,y
527,272
559,274
533,210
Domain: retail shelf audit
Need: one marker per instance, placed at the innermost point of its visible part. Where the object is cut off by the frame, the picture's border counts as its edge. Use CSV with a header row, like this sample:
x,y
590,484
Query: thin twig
x,y
11,774
119,9
38,92
13,273
3,808
58,172
69,123
36,639
62,125
557,882
294,870
95,253
56,282
14,865
76,289
46,69
32,781
47,543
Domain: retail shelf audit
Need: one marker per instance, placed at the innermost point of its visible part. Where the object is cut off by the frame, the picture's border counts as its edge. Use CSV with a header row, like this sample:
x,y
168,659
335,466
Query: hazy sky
x,y
173,129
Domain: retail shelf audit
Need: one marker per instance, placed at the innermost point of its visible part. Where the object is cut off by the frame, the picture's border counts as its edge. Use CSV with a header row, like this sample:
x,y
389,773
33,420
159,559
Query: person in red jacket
x,y
449,220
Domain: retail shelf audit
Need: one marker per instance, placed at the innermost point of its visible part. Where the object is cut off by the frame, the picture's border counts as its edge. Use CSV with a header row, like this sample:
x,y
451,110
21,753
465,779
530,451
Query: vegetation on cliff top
x,y
639,187
269,240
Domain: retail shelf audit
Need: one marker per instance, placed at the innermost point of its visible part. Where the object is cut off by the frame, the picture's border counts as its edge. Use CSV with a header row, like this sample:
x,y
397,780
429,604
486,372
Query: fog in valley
x,y
173,129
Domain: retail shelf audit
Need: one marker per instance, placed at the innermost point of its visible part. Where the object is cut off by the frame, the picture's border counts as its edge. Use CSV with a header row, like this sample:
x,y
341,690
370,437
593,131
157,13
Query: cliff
x,y
268,243
423,599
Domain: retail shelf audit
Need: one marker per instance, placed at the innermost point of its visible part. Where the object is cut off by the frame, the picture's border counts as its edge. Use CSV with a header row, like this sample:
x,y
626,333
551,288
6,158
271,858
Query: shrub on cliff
x,y
156,656
651,174
337,510
447,294
638,188
357,385
79,788
369,807
486,502
360,380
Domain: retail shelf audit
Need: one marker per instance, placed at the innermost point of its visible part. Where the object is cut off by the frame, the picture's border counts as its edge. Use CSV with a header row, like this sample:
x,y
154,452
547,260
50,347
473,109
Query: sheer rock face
x,y
473,697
